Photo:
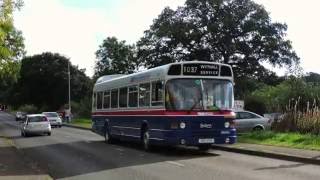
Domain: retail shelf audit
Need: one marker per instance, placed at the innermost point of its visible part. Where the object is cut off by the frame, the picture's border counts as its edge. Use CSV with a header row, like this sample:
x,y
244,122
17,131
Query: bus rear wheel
x,y
107,137
146,140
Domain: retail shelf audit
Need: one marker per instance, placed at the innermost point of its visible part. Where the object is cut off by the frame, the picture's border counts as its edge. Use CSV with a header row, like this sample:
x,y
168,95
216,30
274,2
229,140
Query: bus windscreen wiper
x,y
195,104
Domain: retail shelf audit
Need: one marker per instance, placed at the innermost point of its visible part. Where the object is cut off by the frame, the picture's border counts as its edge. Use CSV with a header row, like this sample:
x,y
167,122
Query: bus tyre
x,y
146,140
107,137
204,147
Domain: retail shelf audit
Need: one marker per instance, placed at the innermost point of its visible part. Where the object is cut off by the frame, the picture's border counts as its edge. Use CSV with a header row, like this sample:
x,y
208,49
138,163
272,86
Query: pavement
x,y
71,153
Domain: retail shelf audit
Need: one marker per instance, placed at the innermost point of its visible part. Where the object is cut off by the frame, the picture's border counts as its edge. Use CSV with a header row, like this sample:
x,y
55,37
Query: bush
x,y
255,105
82,109
29,108
278,98
303,121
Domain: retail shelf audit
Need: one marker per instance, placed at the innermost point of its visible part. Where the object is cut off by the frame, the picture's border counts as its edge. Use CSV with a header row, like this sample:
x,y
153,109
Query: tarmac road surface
x,y
79,154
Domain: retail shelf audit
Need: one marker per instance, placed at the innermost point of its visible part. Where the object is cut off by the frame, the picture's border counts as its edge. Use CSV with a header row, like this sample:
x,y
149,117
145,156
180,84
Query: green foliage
x,y
115,57
295,140
302,121
245,86
255,105
11,40
297,99
236,32
312,77
44,82
82,122
29,108
82,109
278,98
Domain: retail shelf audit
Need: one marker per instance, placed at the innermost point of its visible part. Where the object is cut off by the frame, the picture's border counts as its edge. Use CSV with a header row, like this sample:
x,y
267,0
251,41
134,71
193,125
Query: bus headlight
x,y
226,124
182,125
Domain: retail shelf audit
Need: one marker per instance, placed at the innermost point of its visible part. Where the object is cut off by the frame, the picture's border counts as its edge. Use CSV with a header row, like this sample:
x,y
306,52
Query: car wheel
x,y
49,133
257,128
204,147
146,140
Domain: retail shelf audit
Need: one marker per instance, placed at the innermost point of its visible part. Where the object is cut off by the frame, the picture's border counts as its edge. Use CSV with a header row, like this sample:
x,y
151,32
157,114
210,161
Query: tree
x,y
115,57
312,77
11,40
236,32
43,82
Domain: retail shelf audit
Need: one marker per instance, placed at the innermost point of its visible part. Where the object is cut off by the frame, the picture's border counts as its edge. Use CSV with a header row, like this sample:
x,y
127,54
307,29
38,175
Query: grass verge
x,y
292,140
82,122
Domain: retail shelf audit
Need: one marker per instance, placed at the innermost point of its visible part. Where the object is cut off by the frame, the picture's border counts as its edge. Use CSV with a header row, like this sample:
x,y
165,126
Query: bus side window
x,y
123,97
133,96
157,93
94,101
106,100
144,95
114,98
99,100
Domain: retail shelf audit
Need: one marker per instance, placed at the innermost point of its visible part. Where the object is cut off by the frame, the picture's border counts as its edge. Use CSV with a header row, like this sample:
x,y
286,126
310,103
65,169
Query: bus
x,y
185,103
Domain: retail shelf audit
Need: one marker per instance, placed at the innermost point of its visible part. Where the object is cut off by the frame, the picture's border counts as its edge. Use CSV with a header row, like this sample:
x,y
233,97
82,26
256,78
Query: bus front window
x,y
198,94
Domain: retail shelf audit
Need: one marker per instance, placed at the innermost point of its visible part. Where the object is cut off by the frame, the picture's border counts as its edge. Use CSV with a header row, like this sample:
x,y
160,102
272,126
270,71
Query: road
x,y
78,154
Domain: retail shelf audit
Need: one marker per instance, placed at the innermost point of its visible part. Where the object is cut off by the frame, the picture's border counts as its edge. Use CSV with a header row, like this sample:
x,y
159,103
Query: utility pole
x,y
69,110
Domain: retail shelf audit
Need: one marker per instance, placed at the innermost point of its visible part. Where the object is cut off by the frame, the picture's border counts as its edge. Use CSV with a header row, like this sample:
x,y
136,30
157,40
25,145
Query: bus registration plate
x,y
206,140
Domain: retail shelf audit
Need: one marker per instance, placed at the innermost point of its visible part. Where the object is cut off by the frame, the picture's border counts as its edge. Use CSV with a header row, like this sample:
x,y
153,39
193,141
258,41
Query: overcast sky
x,y
76,28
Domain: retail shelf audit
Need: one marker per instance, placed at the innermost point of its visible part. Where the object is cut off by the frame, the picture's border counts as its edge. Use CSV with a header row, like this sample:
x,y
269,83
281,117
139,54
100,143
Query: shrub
x,y
29,108
255,105
82,109
303,121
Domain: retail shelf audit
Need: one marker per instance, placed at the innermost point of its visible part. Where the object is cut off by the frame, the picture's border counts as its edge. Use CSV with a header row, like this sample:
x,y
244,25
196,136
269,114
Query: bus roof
x,y
163,73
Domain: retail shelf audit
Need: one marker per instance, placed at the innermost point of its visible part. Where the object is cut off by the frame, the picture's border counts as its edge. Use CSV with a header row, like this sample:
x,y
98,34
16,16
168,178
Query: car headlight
x,y
226,124
182,125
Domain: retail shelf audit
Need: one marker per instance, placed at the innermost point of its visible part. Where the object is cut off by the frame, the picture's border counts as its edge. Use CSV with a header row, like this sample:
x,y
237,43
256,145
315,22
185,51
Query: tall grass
x,y
302,117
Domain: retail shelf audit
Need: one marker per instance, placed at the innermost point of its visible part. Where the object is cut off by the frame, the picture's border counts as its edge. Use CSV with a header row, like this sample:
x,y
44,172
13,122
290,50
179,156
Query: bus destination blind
x,y
201,70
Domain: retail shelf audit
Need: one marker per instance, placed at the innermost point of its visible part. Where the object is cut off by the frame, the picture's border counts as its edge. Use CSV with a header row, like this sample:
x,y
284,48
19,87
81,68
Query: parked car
x,y
36,124
54,118
21,116
247,121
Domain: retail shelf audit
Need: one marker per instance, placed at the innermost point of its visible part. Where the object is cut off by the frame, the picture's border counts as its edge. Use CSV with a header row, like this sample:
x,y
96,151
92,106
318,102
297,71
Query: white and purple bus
x,y
185,103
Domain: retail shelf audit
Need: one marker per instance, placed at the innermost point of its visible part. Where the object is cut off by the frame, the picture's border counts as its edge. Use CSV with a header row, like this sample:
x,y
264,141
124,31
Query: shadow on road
x,y
282,167
78,158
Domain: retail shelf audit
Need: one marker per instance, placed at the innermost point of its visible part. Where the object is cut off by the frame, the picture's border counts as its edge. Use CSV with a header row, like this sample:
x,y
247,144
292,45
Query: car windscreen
x,y
53,114
37,119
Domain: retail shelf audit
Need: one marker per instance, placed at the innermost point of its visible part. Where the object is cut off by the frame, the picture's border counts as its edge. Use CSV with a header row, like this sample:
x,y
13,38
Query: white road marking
x,y
175,163
119,149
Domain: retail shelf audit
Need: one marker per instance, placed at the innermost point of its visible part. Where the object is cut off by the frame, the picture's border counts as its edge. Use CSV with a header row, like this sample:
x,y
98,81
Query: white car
x,y
53,118
36,124
247,121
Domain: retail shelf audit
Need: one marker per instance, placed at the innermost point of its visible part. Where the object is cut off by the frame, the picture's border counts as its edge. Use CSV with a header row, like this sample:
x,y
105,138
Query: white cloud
x,y
77,32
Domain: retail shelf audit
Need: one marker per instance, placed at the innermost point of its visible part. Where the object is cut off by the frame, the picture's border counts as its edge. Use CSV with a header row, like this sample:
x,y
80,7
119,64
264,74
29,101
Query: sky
x,y
76,28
